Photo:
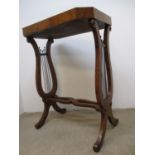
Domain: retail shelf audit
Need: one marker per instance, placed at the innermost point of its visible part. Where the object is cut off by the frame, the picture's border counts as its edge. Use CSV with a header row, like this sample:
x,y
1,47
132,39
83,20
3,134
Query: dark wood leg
x,y
45,114
58,109
54,78
114,121
100,83
111,118
98,144
43,117
103,80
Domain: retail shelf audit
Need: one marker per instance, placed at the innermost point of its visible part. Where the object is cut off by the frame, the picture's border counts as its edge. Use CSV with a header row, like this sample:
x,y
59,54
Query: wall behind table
x,y
74,56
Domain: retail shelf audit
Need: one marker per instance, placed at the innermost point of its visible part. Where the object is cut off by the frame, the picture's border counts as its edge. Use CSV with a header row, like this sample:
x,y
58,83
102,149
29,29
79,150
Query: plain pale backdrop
x,y
74,57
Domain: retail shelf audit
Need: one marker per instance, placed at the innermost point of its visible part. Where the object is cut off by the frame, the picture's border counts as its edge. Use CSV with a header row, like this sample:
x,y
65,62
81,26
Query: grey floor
x,y
74,134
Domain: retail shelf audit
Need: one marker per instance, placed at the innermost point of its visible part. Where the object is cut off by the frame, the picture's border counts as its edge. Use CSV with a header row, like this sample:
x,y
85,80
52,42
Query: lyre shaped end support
x,y
38,66
99,63
103,78
41,66
49,62
99,82
108,62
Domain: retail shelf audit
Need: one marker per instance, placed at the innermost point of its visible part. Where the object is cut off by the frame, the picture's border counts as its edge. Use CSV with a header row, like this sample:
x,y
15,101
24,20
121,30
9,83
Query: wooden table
x,y
73,22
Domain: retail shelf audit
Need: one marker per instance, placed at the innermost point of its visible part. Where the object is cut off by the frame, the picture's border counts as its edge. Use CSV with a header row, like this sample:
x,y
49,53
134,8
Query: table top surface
x,y
68,23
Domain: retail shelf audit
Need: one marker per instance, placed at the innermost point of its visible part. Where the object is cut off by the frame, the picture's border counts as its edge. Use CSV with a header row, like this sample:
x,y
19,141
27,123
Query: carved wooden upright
x,y
72,22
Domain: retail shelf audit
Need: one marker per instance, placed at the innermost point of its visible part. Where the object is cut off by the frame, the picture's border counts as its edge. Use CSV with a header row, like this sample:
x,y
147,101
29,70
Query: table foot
x,y
114,121
58,109
98,144
43,117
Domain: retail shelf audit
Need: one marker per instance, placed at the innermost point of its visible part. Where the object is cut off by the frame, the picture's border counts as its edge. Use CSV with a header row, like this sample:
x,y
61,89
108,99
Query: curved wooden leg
x,y
58,109
54,78
43,117
98,144
100,82
114,121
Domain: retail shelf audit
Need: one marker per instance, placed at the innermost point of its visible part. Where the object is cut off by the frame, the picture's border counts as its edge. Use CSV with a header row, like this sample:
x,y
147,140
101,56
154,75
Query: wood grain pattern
x,y
71,22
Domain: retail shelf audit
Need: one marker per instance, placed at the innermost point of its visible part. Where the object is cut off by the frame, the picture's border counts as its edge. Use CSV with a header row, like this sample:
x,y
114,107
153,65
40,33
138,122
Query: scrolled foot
x,y
39,125
58,109
43,117
97,147
114,121
98,144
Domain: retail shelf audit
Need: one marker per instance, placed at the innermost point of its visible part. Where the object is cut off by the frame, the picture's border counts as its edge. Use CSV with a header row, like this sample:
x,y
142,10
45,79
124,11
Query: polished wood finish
x,y
94,20
68,23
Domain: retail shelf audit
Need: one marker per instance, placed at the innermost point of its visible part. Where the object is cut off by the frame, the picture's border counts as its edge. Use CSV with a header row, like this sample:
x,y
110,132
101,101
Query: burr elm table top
x,y
71,22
